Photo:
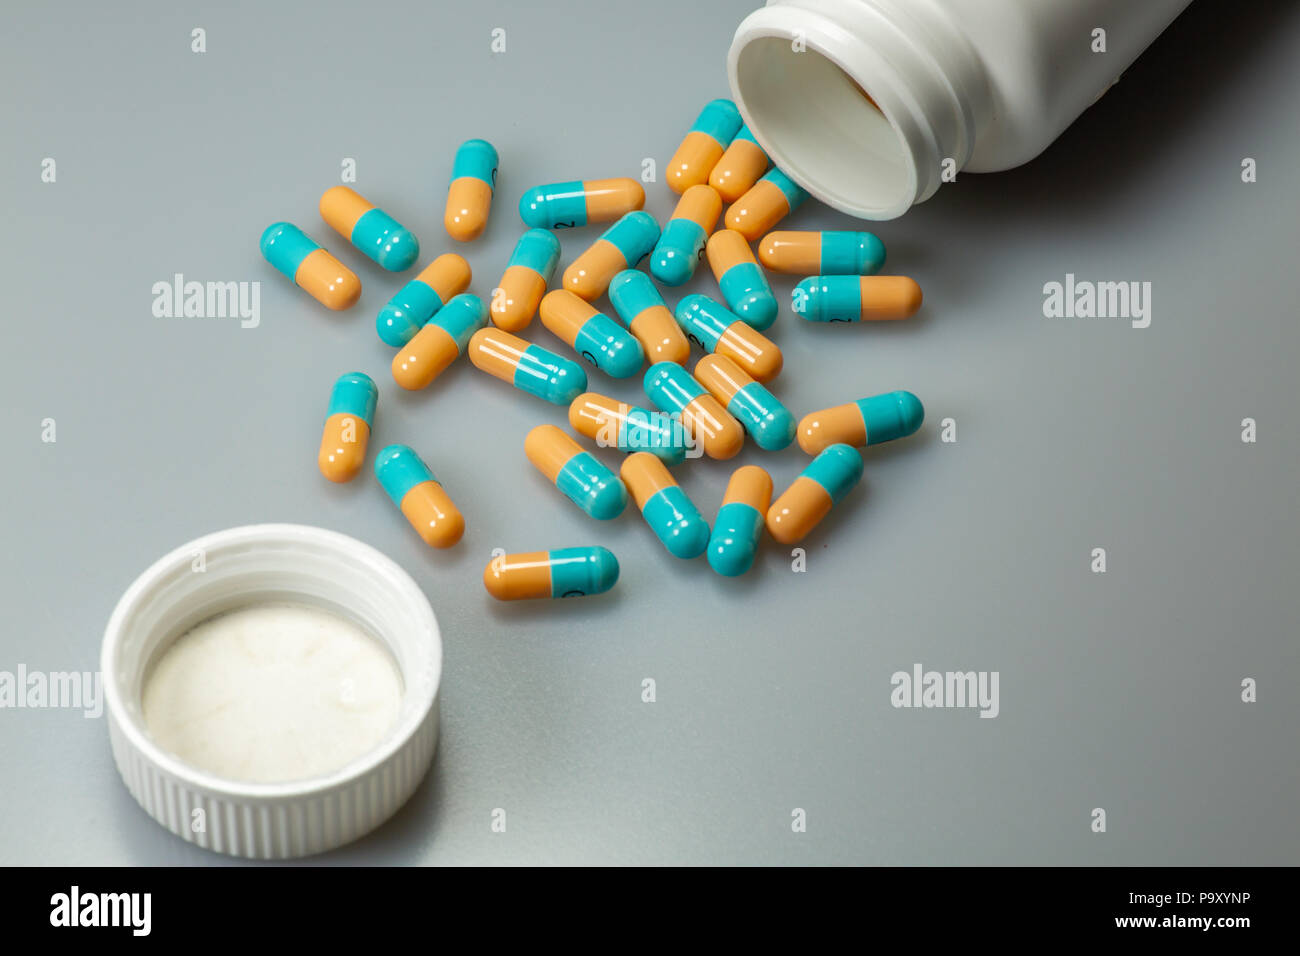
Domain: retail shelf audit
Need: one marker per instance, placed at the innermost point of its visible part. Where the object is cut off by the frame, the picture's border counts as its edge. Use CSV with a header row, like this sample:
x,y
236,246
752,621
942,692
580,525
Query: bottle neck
x,y
867,104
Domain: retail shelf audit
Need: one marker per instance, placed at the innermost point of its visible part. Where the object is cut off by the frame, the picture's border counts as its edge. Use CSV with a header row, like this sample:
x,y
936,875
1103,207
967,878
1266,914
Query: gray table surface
x,y
1119,691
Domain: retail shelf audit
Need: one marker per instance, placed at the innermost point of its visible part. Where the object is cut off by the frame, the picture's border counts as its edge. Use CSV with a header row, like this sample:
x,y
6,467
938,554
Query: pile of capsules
x,y
432,321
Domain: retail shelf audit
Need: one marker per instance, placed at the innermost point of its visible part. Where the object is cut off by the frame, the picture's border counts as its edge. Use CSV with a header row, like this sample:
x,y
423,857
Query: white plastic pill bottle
x,y
871,104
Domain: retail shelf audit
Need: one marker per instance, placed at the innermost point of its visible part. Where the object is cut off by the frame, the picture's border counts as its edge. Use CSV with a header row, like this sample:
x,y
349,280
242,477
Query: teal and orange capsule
x,y
629,428
373,231
765,204
562,573
592,334
619,247
443,340
469,196
528,367
311,268
348,420
868,421
742,283
639,304
703,145
827,479
420,496
673,517
579,203
420,299
718,329
681,245
830,253
855,298
529,271
761,414
738,528
578,474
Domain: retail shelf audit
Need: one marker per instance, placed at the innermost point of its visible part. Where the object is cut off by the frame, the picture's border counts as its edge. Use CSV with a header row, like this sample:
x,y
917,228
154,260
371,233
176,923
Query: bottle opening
x,y
823,129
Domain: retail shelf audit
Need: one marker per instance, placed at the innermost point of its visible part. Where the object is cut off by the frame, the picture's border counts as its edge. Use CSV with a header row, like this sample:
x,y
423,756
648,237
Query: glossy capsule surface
x,y
703,145
742,283
717,329
739,525
672,516
742,164
310,267
765,204
420,496
672,389
348,420
562,573
443,340
528,367
761,414
802,506
529,271
420,299
681,244
831,253
638,303
469,196
855,298
619,247
579,475
629,428
572,204
868,421
595,336
373,231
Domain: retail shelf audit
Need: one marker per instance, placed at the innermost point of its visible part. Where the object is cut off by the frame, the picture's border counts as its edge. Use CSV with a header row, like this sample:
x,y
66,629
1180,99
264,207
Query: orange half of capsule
x,y
756,212
749,485
515,301
742,164
714,428
424,358
469,200
328,281
753,351
694,160
800,508
433,515
343,446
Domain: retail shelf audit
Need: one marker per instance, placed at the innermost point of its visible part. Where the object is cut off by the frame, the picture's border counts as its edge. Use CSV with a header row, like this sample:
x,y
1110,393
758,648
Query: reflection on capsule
x,y
768,422
564,572
739,524
682,243
673,517
868,421
765,204
837,253
743,286
740,166
439,343
673,389
531,266
528,367
469,197
639,304
592,334
370,229
311,268
855,298
567,205
827,479
348,419
420,299
577,473
619,247
414,489
703,145
717,329
614,424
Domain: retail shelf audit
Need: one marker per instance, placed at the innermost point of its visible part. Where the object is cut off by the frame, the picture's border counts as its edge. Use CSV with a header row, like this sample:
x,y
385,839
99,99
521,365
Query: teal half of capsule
x,y
734,542
889,416
768,422
851,253
828,298
415,304
704,320
794,193
608,346
679,248
592,487
284,245
555,205
719,119
542,373
385,240
538,250
837,469
748,294
461,317
631,292
576,572
670,386
634,235
676,522
354,394
399,469
655,432
476,159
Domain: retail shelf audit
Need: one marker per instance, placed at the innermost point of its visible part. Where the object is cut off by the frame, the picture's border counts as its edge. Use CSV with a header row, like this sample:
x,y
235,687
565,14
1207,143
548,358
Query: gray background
x,y
1119,691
